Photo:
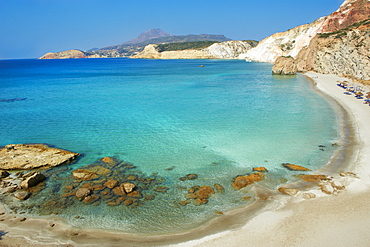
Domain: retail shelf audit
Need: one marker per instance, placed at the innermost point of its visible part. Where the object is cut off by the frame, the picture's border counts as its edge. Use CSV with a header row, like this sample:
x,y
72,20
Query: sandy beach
x,y
327,220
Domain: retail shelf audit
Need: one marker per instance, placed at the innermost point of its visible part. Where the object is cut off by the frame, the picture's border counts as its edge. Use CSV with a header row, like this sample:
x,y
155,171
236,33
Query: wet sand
x,y
327,220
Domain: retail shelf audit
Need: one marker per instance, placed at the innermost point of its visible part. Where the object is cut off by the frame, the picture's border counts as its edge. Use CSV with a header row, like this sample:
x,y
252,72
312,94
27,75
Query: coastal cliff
x,y
341,45
223,50
287,43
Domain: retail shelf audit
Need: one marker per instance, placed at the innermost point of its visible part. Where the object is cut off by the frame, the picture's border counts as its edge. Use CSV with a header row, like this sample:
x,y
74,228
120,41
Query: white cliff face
x,y
287,43
228,49
223,50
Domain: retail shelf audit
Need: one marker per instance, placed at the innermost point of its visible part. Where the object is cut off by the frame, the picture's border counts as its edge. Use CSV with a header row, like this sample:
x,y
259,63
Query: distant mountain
x,y
150,34
136,45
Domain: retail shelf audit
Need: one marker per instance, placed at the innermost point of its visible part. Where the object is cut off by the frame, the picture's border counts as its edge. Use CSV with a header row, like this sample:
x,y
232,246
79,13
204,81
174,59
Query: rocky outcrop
x,y
32,156
293,167
287,43
243,181
343,54
341,45
223,50
64,55
284,66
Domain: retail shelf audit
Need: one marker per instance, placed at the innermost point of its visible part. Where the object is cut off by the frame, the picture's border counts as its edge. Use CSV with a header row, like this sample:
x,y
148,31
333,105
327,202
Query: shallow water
x,y
167,117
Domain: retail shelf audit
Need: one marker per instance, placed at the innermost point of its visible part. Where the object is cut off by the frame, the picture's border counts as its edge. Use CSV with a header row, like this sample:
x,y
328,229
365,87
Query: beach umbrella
x,y
359,93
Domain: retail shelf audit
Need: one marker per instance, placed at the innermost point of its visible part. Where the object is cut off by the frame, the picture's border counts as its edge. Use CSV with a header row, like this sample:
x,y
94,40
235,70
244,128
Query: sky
x,y
31,28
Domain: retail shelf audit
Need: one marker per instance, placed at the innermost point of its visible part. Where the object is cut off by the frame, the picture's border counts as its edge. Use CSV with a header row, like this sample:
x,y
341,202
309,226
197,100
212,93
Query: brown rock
x,y
83,174
111,183
90,199
99,170
97,187
313,178
82,193
191,176
22,195
132,178
108,160
119,191
295,167
288,191
204,192
199,201
12,189
219,188
190,196
284,66
327,189
32,180
161,189
86,185
128,187
243,181
260,169
338,185
26,157
184,203
135,194
111,203
127,202
68,194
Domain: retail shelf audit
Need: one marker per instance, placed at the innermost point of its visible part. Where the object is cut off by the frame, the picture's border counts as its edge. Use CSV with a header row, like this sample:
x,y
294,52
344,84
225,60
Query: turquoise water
x,y
217,121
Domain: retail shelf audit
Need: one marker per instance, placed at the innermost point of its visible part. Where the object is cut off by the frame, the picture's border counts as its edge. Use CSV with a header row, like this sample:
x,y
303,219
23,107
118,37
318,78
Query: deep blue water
x,y
217,121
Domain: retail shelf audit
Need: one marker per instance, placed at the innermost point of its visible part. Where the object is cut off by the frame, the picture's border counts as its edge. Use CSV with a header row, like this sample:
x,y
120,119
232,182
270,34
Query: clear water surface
x,y
216,121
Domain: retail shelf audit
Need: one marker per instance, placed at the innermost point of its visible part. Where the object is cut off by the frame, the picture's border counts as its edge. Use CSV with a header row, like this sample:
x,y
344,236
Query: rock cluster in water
x,y
108,181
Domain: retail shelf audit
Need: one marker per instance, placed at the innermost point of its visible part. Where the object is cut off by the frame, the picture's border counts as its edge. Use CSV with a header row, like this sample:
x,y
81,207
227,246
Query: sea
x,y
162,119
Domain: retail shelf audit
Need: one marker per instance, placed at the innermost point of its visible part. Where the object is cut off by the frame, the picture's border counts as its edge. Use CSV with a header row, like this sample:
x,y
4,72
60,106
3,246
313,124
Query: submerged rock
x,y
82,193
219,189
111,183
22,195
32,156
32,179
84,174
260,169
293,167
243,181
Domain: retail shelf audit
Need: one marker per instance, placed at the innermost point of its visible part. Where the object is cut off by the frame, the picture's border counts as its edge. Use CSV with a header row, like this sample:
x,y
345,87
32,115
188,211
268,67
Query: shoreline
x,y
245,229
328,220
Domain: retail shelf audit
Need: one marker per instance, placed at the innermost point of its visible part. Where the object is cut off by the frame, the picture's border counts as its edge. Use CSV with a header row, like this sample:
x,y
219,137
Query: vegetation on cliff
x,y
344,31
184,46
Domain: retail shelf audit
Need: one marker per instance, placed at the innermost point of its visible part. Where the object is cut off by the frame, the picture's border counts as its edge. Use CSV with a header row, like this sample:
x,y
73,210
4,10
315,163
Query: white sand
x,y
328,220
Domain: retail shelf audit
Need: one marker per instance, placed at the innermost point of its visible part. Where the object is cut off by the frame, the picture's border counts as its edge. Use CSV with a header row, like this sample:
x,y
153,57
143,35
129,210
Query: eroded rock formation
x,y
32,156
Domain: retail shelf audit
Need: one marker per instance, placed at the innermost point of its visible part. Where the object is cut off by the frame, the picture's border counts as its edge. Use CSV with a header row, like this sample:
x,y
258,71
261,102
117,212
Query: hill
x,y
152,36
